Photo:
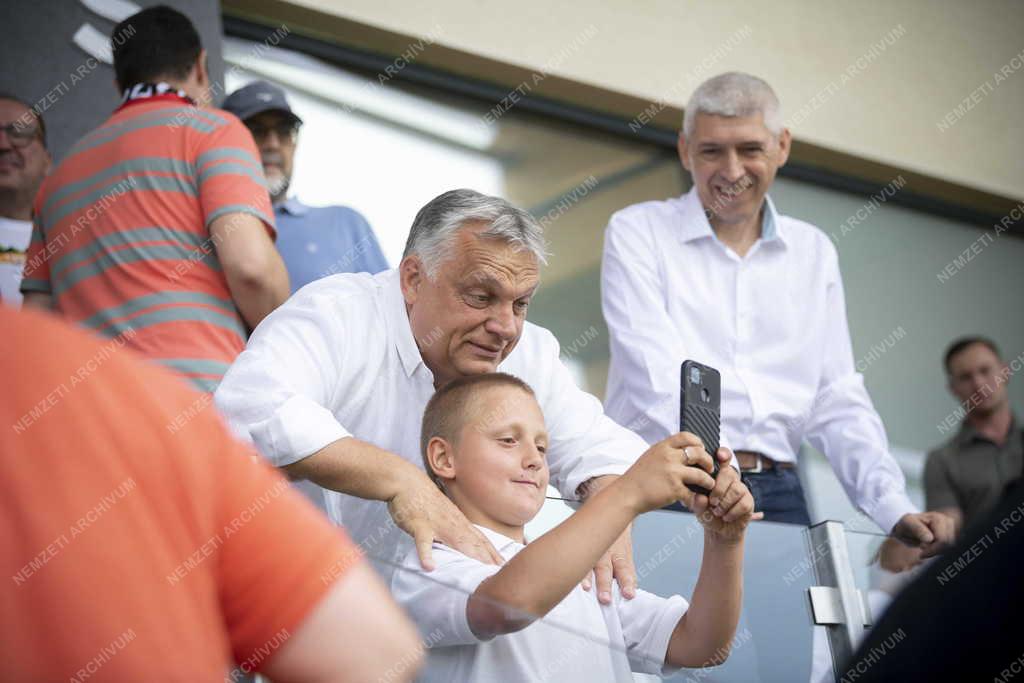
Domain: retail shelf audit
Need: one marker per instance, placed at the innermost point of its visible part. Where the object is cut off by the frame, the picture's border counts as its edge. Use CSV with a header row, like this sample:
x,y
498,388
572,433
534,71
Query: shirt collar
x,y
398,321
968,434
501,542
293,206
696,225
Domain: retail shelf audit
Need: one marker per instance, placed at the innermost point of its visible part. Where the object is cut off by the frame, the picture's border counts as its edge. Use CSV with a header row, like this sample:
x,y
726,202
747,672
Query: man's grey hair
x,y
437,224
734,94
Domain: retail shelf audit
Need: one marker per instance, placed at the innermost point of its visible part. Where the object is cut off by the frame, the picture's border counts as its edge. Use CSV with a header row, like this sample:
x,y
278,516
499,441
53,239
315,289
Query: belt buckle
x,y
759,467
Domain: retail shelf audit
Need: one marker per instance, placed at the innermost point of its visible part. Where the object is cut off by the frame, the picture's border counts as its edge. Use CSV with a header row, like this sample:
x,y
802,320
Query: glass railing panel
x,y
775,639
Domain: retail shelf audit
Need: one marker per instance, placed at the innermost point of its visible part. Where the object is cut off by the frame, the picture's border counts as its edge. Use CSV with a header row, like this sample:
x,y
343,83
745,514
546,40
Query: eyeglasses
x,y
20,135
285,131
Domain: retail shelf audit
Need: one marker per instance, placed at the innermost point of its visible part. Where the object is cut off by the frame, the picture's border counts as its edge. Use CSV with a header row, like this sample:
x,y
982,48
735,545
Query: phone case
x,y
700,408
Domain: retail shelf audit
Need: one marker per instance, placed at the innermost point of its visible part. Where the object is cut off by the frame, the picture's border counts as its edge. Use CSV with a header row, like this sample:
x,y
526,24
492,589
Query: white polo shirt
x,y
579,640
339,359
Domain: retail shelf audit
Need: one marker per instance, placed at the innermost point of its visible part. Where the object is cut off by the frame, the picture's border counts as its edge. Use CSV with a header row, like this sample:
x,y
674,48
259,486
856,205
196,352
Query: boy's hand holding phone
x,y
664,473
730,507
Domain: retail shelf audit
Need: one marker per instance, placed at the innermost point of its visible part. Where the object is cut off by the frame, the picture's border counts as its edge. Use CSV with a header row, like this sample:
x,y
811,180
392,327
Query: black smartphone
x,y
700,399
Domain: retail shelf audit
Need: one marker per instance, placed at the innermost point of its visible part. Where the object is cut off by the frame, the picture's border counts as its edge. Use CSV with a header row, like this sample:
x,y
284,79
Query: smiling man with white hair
x,y
720,277
333,385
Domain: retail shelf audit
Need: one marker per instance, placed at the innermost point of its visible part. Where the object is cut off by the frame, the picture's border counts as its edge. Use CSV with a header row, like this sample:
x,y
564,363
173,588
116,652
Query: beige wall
x,y
887,107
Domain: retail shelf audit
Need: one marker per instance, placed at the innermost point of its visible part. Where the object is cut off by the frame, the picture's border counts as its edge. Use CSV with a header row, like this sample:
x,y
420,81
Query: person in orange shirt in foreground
x,y
139,541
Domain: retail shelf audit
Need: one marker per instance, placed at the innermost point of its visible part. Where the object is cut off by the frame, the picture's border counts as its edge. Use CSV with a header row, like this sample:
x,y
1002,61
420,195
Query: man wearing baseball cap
x,y
314,241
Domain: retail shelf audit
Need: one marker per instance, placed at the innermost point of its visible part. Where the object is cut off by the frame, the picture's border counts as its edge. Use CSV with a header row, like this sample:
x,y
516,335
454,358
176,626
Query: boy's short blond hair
x,y
451,407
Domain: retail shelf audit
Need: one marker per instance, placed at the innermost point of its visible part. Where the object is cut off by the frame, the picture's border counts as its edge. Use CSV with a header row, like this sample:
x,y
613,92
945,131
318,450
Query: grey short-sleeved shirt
x,y
970,472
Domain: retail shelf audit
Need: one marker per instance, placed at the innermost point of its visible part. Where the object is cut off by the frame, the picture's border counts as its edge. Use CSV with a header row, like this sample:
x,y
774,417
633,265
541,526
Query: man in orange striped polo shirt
x,y
157,228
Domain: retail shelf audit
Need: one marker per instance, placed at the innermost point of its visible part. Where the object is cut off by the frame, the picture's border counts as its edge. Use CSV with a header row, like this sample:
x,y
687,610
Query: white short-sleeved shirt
x,y
579,640
339,359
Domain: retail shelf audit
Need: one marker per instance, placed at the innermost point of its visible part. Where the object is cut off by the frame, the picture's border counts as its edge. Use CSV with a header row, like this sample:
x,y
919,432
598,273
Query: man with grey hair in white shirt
x,y
718,276
332,385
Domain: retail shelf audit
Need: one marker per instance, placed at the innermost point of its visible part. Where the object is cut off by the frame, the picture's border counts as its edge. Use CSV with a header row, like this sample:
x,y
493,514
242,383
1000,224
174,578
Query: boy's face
x,y
499,470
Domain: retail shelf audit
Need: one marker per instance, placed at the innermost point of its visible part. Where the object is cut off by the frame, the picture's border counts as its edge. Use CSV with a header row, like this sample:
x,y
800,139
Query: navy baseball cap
x,y
257,98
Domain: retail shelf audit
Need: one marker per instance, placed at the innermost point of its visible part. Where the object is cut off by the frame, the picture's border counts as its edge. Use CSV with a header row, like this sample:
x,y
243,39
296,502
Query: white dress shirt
x,y
339,359
772,323
579,640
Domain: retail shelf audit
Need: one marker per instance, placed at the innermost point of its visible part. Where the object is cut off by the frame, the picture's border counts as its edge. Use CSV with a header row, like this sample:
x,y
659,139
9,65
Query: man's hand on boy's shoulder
x,y
421,510
726,512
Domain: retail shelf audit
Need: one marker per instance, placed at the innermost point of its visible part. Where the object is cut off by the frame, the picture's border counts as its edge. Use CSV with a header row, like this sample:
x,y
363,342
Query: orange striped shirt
x,y
121,237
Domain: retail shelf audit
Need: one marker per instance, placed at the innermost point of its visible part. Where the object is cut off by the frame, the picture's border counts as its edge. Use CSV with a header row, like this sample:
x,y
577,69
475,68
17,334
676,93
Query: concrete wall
x,y
878,80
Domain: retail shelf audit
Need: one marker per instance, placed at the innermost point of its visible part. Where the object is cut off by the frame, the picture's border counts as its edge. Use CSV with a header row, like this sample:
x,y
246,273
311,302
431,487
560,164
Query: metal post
x,y
835,602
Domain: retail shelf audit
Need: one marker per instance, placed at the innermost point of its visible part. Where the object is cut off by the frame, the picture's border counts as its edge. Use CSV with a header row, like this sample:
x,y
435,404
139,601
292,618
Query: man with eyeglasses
x,y
24,162
314,241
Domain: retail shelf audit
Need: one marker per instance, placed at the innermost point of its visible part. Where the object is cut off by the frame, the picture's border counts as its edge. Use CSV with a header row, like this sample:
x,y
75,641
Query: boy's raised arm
x,y
704,634
541,575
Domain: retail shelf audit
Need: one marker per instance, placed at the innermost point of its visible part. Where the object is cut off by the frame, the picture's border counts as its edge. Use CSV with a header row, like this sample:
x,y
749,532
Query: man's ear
x,y
785,141
441,459
681,150
411,275
201,69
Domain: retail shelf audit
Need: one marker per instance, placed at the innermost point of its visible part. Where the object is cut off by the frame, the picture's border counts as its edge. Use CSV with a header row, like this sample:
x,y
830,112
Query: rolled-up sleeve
x,y
846,428
278,391
585,443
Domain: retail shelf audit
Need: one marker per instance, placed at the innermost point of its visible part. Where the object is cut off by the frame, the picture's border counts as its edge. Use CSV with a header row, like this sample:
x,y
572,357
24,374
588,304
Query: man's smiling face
x,y
733,160
470,316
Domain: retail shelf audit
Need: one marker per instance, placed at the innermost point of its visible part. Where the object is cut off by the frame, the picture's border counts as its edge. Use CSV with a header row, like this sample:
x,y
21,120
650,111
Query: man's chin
x,y
987,408
475,366
277,185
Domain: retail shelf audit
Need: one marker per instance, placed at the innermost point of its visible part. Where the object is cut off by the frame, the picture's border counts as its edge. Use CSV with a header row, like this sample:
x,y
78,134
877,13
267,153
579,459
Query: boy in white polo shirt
x,y
484,443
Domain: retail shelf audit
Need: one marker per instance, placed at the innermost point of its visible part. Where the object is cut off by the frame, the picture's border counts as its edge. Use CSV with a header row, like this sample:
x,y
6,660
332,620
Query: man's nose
x,y
503,322
733,170
270,142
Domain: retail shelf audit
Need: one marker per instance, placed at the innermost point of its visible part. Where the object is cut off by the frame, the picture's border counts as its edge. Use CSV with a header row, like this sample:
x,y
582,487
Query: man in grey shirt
x,y
966,476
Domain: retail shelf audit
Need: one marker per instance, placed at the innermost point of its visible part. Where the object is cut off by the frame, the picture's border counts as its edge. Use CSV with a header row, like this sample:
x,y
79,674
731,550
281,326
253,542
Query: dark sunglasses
x,y
285,130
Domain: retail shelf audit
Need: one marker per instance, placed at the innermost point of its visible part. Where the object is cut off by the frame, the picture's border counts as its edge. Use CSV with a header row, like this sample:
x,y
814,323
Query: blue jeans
x,y
778,494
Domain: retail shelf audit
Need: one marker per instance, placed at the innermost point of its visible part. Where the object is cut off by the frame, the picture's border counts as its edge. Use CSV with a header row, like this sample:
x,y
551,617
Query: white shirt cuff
x,y
574,482
889,509
298,429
